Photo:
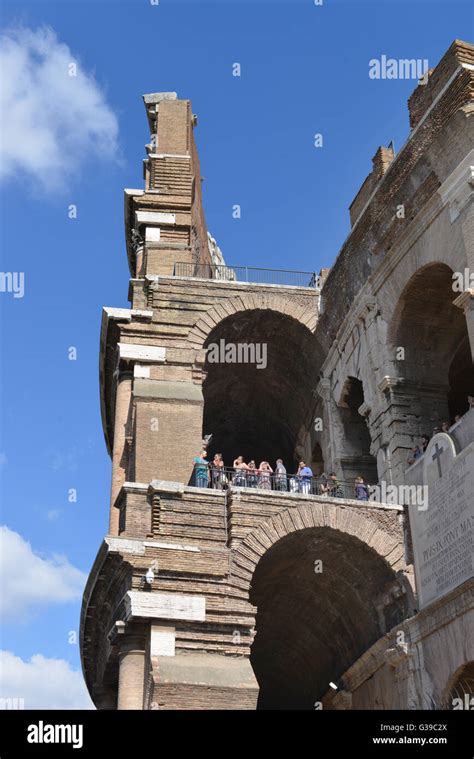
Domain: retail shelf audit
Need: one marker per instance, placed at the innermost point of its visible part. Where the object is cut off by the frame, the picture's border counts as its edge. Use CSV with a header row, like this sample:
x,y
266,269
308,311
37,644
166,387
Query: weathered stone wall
x,y
431,179
415,665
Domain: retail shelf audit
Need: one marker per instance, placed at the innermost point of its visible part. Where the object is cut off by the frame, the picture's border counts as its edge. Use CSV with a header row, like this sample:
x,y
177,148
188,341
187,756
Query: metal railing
x,y
248,274
224,477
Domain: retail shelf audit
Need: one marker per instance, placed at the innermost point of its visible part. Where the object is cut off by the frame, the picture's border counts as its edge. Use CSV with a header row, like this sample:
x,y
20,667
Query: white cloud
x,y
42,683
51,121
28,580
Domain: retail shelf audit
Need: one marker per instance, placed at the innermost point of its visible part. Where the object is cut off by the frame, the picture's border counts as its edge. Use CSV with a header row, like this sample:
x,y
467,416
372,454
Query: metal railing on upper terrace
x,y
249,274
223,477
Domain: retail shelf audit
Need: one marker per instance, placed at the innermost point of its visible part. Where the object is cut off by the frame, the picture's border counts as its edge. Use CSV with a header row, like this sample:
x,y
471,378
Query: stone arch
x,y
433,333
304,312
327,583
317,459
460,685
248,553
356,458
259,405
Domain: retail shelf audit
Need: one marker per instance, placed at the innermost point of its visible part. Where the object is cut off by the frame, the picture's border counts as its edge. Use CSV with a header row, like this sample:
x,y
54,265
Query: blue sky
x,y
304,70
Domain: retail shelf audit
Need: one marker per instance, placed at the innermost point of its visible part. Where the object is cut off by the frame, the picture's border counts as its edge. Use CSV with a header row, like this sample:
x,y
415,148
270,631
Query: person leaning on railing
x,y
304,475
280,477
332,487
240,476
217,472
252,475
264,478
201,470
361,489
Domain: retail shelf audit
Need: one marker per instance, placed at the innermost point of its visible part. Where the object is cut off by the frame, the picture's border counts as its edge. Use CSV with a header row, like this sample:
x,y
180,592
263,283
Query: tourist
x,y
280,476
424,442
457,418
201,470
334,486
305,476
470,400
445,427
264,477
361,489
252,475
416,453
240,478
322,484
217,472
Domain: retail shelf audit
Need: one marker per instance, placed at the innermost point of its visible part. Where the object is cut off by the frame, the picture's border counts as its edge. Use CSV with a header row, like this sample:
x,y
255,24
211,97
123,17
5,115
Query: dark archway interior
x,y
258,412
312,626
317,460
434,334
357,437
357,459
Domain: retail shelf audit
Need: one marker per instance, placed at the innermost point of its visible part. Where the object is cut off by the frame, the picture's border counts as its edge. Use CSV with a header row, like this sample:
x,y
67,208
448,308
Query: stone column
x,y
119,462
131,683
465,301
323,390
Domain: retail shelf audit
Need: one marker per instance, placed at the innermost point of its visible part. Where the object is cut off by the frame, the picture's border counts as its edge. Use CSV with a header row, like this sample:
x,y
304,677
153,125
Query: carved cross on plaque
x,y
436,457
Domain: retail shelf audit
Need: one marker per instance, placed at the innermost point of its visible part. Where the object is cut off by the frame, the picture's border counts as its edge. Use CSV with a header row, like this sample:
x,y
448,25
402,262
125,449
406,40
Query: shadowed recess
x,y
312,625
434,334
258,412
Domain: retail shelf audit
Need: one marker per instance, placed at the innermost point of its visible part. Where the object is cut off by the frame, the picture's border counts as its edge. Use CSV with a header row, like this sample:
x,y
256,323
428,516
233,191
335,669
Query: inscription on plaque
x,y
443,534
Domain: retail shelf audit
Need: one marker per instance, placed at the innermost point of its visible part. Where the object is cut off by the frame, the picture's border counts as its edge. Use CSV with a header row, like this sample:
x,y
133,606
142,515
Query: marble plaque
x,y
443,532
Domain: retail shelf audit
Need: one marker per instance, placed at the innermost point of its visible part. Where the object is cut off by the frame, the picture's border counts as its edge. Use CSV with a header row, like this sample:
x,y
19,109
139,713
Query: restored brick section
x,y
168,435
174,127
173,186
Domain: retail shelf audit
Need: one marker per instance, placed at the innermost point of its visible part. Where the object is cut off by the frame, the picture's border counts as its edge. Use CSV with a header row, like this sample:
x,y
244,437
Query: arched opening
x,y
356,458
315,619
317,460
436,359
256,408
461,692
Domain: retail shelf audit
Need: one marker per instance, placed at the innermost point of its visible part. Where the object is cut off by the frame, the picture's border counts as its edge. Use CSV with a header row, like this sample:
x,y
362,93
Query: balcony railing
x,y
248,274
224,477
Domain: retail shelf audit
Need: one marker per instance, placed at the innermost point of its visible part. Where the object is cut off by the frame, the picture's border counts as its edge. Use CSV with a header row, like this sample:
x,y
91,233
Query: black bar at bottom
x,y
330,733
